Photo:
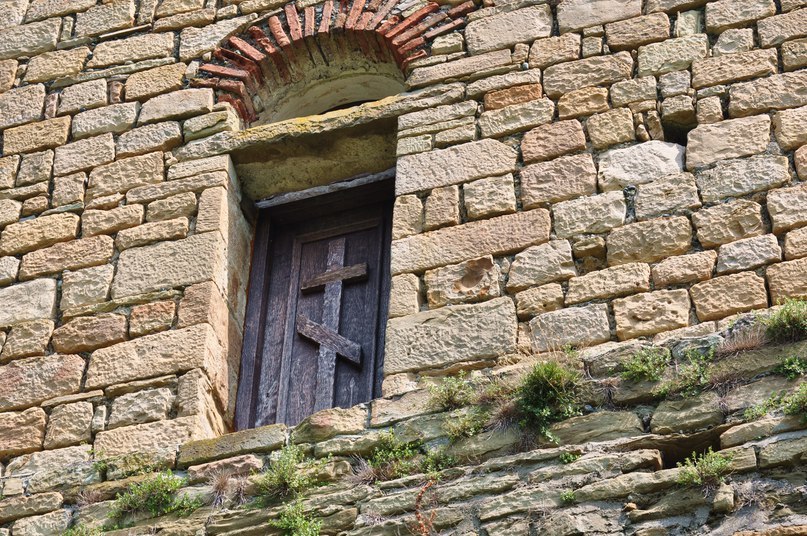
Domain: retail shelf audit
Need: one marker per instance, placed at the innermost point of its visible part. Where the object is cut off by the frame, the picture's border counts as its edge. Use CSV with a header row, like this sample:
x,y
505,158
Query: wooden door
x,y
317,307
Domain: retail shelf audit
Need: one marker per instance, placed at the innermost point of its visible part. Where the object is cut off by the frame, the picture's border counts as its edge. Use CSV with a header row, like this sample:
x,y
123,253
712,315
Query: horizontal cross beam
x,y
348,274
328,338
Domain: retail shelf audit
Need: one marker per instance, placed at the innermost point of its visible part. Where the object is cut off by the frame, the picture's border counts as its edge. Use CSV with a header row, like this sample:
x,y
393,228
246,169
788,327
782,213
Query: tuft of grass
x,y
743,339
788,323
393,458
796,403
569,457
467,424
706,470
156,496
289,475
568,497
647,364
792,367
293,521
549,393
691,377
451,393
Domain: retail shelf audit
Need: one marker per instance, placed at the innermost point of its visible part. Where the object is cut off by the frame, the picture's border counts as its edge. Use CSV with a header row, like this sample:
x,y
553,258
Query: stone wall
x,y
598,174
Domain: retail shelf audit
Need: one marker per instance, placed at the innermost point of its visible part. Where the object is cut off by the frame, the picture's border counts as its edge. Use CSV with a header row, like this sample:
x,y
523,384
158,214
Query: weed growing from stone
x,y
796,403
393,458
293,521
647,364
742,339
437,460
467,424
568,457
155,496
691,377
82,530
792,367
706,470
568,497
758,411
451,393
788,323
289,475
549,393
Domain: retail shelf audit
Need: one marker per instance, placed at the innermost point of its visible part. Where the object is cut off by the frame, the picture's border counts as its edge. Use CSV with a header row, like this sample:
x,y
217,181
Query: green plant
x,y
82,530
707,470
155,496
437,460
293,521
467,424
549,393
451,393
792,367
760,410
393,458
788,323
796,403
569,457
647,364
290,474
567,497
691,377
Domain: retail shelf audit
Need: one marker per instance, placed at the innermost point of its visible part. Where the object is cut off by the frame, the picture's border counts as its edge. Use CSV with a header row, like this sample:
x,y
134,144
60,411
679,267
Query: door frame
x,y
289,208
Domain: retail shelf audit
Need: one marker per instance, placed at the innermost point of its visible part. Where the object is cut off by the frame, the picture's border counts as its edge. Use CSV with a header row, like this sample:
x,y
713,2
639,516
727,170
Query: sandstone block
x,y
66,467
9,211
669,195
631,33
9,266
169,264
794,54
609,283
521,83
151,232
610,128
775,92
33,300
537,300
204,303
38,233
490,197
542,264
141,407
116,118
404,295
506,29
146,84
8,72
727,139
31,505
735,178
649,241
552,140
44,9
21,432
496,236
168,352
104,18
748,253
578,14
51,523
584,101
460,163
84,154
256,440
43,377
639,164
516,118
34,168
30,39
27,339
437,338
84,334
564,178
8,172
96,222
488,63
442,208
790,127
733,68
786,207
595,71
151,317
575,326
21,105
651,312
635,90
83,96
734,41
689,415
156,137
183,204
728,222
788,280
726,14
595,214
36,136
176,105
509,96
72,255
551,50
206,125
672,55
729,294
243,465
684,269
125,174
193,42
54,65
796,244
69,424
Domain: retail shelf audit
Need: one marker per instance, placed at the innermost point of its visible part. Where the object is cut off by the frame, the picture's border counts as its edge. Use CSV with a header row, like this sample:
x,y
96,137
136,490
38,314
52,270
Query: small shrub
x,y
706,470
691,378
648,364
437,460
788,323
451,393
567,497
294,522
82,530
760,410
569,457
155,496
549,393
792,367
290,474
466,424
796,403
392,458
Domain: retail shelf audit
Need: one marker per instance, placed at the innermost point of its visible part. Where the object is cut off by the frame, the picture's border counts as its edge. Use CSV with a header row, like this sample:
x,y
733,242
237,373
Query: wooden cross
x,y
326,334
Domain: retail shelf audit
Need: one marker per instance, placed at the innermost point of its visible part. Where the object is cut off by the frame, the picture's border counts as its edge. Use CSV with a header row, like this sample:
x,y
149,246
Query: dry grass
x,y
87,497
362,473
220,483
743,339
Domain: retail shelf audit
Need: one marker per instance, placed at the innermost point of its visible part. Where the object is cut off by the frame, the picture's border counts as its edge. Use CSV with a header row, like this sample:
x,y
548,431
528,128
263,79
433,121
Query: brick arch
x,y
277,49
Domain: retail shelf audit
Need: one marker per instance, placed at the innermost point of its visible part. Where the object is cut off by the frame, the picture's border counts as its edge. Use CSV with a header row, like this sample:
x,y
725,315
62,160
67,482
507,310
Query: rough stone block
x,y
672,55
176,206
33,300
69,424
794,54
634,32
116,118
156,137
610,128
34,168
639,164
488,63
552,140
434,339
146,84
151,318
66,467
55,65
84,154
496,236
8,172
87,333
595,71
21,105
36,136
96,222
736,178
21,432
635,90
649,241
461,163
609,283
176,105
748,253
72,255
442,208
728,139
105,18
516,118
256,440
503,30
583,101
206,125
51,523
27,339
470,281
43,377
83,96
501,98
125,174
575,326
672,194
775,92
795,244
538,265
141,407
726,14
151,232
490,197
551,50
595,214
790,127
729,294
404,295
537,300
30,39
733,68
578,14
688,415
650,313
776,30
788,280
734,41
9,212
728,222
684,269
9,266
193,42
